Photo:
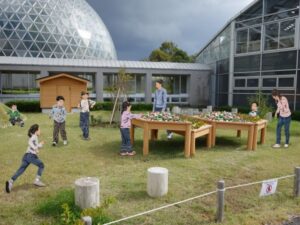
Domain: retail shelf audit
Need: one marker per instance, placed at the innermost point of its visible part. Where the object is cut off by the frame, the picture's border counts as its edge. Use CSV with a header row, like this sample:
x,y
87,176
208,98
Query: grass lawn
x,y
125,178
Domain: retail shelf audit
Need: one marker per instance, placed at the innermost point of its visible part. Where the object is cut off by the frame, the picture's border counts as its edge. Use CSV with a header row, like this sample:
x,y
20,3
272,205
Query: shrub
x,y
296,115
263,103
26,105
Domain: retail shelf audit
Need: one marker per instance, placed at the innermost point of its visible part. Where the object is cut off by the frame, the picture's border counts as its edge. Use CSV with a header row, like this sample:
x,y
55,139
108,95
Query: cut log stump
x,y
157,184
87,192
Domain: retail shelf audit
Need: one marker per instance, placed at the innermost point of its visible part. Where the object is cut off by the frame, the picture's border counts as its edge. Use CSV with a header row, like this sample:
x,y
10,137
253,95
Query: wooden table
x,y
153,127
251,128
205,130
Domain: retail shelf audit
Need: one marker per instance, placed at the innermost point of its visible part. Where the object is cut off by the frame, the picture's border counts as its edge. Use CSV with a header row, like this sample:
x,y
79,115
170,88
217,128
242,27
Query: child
x,y
15,116
58,114
126,117
30,157
254,109
85,105
284,119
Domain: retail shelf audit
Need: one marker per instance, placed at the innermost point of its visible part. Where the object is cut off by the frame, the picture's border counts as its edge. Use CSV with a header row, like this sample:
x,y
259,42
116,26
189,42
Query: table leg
x,y
254,145
213,135
187,147
238,133
146,141
250,137
263,135
193,144
209,139
132,134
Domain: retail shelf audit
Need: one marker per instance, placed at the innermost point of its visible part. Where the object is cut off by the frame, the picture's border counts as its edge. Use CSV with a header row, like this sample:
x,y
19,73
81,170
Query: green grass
x,y
125,178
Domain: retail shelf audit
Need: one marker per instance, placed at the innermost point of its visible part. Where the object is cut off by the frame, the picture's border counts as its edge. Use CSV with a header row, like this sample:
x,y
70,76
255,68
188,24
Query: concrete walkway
x,y
294,221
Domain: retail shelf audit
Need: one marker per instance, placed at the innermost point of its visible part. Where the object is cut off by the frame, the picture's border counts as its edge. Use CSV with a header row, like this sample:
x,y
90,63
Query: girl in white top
x,y
84,106
30,157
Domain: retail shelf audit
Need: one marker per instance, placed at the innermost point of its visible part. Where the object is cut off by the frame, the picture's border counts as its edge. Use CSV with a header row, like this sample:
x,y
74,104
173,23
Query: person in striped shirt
x,y
283,113
30,157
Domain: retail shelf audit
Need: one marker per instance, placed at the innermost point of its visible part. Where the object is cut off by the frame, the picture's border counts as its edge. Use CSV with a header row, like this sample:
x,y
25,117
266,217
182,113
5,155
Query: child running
x,y
58,114
126,117
85,105
30,157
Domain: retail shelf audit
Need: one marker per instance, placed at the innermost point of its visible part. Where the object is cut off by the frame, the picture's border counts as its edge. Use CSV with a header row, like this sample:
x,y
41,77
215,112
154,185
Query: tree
x,y
169,52
158,55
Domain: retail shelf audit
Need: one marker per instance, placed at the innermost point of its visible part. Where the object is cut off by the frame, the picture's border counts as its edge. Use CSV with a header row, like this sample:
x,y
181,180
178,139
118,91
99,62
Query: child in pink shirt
x,y
284,118
126,117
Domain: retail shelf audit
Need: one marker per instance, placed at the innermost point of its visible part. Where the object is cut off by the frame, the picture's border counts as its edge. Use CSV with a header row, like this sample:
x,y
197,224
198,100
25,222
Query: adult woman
x,y
284,118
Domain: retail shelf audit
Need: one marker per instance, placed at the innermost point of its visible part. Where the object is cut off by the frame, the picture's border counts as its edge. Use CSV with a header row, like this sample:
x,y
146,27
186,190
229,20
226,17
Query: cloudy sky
x,y
139,26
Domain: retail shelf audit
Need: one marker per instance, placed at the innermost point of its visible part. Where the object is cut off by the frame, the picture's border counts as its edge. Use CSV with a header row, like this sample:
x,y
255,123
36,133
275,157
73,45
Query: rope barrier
x,y
163,207
257,182
196,197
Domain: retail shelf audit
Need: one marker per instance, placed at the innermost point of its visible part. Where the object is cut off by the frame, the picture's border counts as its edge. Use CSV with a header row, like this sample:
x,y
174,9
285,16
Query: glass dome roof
x,y
53,29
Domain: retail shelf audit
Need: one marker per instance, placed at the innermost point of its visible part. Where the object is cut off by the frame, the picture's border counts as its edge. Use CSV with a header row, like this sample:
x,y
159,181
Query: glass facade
x,y
176,86
53,29
264,54
17,83
135,86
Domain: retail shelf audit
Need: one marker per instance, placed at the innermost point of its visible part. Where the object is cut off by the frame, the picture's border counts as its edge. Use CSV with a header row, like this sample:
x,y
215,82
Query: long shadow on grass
x,y
164,149
24,187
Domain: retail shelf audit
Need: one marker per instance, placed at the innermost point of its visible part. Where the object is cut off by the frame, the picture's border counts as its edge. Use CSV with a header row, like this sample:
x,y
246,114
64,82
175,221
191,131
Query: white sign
x,y
268,187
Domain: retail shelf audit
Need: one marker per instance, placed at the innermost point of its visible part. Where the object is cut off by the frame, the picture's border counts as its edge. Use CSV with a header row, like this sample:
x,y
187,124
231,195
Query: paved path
x,y
294,221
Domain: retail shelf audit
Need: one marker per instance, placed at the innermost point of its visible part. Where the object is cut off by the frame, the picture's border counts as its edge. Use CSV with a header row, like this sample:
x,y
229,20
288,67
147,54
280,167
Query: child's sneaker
x,y
54,143
65,142
123,153
286,146
8,186
276,146
39,183
131,153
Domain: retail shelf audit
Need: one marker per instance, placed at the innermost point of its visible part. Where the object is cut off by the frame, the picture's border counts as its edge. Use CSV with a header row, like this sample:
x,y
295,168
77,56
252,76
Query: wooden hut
x,y
66,85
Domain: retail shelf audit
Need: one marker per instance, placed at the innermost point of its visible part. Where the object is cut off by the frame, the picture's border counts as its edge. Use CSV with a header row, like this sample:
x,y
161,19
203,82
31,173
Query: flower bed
x,y
230,117
168,117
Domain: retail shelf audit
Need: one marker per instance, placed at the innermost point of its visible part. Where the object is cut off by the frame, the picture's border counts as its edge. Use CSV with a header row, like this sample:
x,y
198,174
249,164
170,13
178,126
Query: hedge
x,y
34,106
25,105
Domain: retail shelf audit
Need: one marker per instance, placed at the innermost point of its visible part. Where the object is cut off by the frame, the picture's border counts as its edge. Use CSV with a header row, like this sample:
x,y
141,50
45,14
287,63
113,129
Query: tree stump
x,y
87,192
157,184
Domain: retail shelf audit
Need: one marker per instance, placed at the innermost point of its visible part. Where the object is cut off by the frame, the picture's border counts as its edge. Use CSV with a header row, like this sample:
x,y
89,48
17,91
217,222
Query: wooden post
x,y
297,182
87,220
220,201
87,192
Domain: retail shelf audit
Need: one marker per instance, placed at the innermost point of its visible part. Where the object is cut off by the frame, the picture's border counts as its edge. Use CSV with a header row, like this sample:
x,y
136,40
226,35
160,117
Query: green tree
x,y
158,55
169,52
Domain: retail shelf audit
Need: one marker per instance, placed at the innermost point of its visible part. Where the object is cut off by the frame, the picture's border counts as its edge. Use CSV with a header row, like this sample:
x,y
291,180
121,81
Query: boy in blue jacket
x,y
58,114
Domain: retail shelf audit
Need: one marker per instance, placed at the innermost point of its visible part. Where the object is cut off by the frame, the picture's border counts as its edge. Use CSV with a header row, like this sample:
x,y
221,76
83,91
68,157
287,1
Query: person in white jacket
x,y
30,157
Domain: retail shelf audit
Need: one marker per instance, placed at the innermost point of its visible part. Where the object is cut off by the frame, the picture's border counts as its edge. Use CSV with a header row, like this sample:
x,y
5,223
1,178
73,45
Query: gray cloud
x,y
139,26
